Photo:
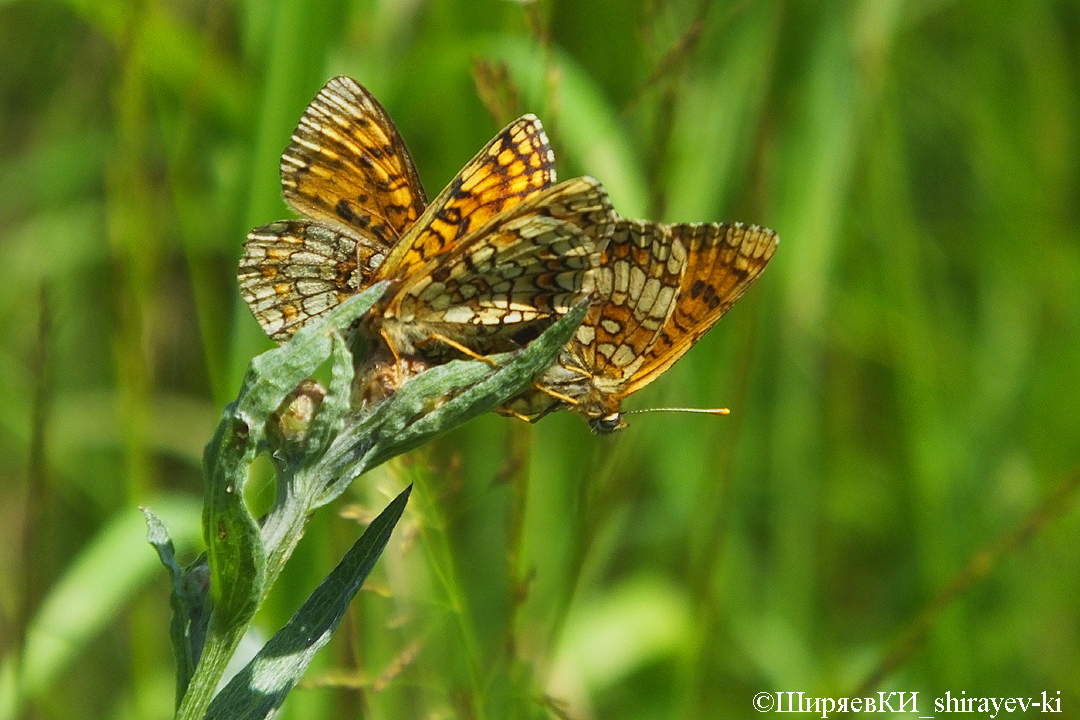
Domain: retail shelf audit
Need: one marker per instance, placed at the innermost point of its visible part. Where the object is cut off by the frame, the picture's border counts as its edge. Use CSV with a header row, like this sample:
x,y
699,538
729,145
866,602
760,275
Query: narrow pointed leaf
x,y
262,685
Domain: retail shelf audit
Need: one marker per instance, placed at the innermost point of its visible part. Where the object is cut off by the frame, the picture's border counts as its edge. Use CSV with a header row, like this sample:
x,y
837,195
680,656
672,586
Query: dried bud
x,y
289,424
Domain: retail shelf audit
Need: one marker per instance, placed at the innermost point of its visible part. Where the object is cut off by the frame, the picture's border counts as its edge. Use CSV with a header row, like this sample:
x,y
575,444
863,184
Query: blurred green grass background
x,y
890,506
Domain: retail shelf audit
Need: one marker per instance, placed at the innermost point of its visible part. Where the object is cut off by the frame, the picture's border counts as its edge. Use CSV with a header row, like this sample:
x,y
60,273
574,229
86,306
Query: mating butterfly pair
x,y
499,252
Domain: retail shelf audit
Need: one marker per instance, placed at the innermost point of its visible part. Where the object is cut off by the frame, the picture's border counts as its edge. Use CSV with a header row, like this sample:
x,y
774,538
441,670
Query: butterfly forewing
x,y
721,263
514,166
296,270
347,164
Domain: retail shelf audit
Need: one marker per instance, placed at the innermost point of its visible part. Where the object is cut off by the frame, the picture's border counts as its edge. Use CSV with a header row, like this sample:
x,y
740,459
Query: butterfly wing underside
x,y
296,270
641,272
347,169
722,260
527,263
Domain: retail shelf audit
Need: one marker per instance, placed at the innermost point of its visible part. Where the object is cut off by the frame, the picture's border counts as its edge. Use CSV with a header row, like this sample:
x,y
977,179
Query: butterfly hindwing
x,y
528,262
295,270
640,273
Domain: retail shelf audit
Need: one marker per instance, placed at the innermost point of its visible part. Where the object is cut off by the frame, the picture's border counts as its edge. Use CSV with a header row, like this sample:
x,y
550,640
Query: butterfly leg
x,y
519,416
579,371
390,346
461,348
557,395
532,420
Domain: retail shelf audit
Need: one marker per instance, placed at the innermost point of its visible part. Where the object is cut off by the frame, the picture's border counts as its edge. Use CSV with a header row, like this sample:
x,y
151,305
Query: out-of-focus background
x,y
891,505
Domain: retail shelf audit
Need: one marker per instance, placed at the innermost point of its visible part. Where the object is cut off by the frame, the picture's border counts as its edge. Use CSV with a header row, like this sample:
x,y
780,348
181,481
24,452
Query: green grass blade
x,y
91,593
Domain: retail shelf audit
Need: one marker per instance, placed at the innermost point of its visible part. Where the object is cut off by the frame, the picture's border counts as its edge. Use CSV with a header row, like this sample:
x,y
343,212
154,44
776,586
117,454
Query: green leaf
x,y
235,548
234,545
437,401
481,397
189,601
236,552
262,685
275,373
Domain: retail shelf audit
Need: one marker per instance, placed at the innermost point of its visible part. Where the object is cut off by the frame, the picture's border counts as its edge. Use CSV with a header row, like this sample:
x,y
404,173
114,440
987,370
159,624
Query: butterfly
x,y
660,288
348,171
499,250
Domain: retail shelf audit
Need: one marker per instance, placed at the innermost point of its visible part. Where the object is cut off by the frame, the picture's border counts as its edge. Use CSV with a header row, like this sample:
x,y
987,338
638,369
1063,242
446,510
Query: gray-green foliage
x,y
316,457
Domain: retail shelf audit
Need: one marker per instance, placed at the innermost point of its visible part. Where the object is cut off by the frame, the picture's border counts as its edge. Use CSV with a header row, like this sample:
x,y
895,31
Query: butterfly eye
x,y
608,424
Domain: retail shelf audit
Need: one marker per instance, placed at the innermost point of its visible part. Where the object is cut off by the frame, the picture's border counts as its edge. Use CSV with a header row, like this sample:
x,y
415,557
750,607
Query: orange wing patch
x,y
514,166
347,164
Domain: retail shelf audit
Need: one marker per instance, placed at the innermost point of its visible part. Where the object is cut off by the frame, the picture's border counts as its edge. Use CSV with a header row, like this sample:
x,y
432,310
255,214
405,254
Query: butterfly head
x,y
603,411
607,424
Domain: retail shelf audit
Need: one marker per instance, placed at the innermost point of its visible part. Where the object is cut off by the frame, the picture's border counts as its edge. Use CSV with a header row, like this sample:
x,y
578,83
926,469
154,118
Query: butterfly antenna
x,y
707,411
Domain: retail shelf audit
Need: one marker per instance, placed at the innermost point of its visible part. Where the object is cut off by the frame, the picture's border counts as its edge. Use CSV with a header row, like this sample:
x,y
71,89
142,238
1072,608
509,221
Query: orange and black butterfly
x,y
499,248
659,290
